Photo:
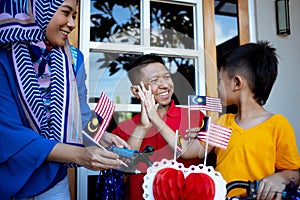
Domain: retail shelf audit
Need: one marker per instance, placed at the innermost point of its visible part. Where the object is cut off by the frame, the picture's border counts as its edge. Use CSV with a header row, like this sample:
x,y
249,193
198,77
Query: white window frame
x,y
85,45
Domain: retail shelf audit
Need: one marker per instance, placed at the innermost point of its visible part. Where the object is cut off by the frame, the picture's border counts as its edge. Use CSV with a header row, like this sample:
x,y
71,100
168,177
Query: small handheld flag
x,y
215,134
177,147
104,109
197,102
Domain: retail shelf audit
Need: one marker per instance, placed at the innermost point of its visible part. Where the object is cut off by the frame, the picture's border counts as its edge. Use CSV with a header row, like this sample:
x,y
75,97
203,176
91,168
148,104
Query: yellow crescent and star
x,y
197,99
93,125
202,124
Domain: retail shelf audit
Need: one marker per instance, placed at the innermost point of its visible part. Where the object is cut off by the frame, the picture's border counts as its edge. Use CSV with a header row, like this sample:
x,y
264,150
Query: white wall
x,y
285,96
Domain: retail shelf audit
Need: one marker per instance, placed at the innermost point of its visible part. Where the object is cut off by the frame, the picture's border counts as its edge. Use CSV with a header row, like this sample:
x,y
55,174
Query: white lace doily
x,y
220,183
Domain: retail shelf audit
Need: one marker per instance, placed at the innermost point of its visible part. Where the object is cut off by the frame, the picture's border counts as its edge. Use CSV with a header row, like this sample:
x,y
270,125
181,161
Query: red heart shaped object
x,y
169,183
198,186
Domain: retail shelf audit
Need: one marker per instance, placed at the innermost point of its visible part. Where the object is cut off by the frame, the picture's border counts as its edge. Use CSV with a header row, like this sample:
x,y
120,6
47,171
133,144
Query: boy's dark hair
x,y
257,62
135,66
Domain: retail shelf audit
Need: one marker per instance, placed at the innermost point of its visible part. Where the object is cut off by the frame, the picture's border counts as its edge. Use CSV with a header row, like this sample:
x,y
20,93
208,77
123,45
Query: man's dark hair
x,y
135,66
258,63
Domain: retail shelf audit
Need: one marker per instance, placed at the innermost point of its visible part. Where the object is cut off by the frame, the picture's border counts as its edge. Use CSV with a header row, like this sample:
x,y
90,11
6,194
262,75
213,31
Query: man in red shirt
x,y
140,131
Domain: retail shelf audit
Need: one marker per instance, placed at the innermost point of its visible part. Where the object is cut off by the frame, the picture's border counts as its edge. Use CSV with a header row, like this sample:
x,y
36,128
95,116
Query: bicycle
x,y
291,191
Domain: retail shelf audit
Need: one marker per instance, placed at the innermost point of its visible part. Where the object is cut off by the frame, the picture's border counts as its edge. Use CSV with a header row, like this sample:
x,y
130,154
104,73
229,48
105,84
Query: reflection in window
x,y
226,22
115,21
172,25
226,27
108,73
183,76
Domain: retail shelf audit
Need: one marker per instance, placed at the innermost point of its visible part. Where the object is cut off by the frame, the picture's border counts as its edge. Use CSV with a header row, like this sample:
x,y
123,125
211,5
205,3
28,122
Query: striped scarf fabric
x,y
21,23
25,20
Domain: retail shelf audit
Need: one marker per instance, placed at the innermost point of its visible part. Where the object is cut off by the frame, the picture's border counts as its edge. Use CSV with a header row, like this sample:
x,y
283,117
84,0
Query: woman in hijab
x,y
43,104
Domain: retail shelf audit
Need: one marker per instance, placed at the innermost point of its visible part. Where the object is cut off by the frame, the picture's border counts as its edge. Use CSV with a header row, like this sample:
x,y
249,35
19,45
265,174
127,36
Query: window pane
x,y
183,76
226,25
172,25
115,21
107,74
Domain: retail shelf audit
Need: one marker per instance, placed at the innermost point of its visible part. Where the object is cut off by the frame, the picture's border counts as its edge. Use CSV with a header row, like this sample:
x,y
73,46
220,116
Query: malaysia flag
x,y
104,109
215,134
197,102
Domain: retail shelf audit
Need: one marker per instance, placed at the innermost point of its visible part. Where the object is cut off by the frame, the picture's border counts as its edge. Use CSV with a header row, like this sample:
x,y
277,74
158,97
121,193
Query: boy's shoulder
x,y
279,118
225,118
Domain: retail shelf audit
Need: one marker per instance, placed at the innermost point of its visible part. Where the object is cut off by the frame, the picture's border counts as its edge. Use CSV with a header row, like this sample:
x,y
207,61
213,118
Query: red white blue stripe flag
x,y
197,102
104,109
214,134
178,150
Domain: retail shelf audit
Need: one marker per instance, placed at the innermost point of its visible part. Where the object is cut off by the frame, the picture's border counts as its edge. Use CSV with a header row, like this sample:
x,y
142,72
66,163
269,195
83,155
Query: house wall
x,y
285,96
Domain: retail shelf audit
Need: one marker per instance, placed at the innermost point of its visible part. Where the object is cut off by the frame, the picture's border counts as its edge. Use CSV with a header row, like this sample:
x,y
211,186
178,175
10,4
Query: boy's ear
x,y
238,82
134,91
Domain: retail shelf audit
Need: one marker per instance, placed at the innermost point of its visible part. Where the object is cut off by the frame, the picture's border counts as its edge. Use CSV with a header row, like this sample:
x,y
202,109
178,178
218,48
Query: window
x,y
114,31
226,26
115,21
172,25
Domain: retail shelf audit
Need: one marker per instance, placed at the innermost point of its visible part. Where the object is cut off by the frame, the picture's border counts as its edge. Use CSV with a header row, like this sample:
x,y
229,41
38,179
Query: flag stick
x,y
189,115
207,141
175,146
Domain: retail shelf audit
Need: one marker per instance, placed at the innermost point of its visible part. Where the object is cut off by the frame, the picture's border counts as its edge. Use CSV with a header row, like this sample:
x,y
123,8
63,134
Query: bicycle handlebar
x,y
291,191
251,187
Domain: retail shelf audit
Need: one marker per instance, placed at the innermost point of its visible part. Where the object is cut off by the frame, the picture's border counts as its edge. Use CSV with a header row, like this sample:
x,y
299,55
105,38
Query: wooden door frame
x,y
211,72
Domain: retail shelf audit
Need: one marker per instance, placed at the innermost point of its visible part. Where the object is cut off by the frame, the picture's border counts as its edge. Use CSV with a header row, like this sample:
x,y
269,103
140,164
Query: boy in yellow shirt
x,y
262,145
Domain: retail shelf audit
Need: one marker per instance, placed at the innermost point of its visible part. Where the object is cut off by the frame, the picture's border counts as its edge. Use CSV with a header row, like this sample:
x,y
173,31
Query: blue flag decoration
x,y
93,124
197,102
204,124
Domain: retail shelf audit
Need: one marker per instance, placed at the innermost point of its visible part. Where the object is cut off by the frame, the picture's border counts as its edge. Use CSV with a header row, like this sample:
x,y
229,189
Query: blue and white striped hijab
x,y
23,22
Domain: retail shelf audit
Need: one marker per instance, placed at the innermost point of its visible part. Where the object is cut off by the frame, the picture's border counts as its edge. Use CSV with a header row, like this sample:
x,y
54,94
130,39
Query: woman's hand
x,y
95,158
92,157
111,139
